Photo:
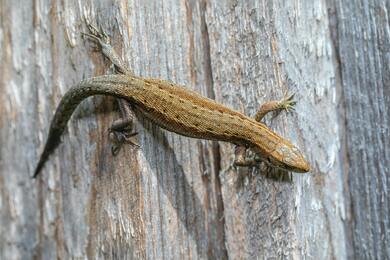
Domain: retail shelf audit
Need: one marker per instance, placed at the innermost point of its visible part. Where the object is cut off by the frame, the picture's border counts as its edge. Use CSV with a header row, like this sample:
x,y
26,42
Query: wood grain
x,y
364,58
178,197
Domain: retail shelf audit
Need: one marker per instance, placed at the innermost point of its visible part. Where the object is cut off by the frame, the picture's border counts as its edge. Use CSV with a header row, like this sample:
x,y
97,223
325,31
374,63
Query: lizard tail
x,y
52,143
109,85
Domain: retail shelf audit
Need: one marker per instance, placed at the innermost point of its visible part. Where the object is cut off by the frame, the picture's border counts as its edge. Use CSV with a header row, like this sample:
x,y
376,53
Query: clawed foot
x,y
241,158
247,162
287,103
98,35
118,138
121,131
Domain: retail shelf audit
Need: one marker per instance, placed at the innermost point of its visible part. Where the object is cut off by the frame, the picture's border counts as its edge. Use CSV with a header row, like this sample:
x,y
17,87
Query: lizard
x,y
180,110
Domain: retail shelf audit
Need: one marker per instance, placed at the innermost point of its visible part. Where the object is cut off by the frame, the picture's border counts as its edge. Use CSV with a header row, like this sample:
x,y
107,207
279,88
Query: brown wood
x,y
178,197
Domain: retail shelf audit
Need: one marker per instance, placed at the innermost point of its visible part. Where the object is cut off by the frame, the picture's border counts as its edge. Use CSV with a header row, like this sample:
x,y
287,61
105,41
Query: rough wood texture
x,y
259,50
363,47
178,197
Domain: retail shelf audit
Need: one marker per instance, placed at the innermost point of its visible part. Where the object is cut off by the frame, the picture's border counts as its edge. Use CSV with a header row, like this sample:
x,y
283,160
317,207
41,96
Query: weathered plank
x,y
259,51
362,32
178,197
159,201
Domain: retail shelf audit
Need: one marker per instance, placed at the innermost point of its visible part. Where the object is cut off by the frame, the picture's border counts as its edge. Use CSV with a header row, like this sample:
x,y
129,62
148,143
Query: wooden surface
x,y
177,197
363,45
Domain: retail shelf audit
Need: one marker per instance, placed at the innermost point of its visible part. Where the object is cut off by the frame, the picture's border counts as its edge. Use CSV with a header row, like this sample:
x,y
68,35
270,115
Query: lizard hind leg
x,y
286,103
121,130
103,40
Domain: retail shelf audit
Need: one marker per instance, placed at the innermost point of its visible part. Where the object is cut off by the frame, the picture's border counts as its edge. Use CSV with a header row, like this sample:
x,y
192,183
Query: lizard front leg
x,y
121,130
286,103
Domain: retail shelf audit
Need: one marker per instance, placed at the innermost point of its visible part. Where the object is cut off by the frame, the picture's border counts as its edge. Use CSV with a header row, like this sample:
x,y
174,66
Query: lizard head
x,y
287,157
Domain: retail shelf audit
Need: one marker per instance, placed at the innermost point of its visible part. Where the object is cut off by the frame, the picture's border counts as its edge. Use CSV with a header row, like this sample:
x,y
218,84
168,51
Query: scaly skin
x,y
179,110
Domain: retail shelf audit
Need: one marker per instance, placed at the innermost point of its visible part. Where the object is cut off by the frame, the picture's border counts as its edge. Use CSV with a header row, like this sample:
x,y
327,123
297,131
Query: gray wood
x,y
177,197
362,33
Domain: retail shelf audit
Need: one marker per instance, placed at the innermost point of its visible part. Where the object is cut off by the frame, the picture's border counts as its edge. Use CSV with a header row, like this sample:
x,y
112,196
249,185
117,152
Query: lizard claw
x,y
288,102
98,35
103,34
115,148
119,138
128,139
